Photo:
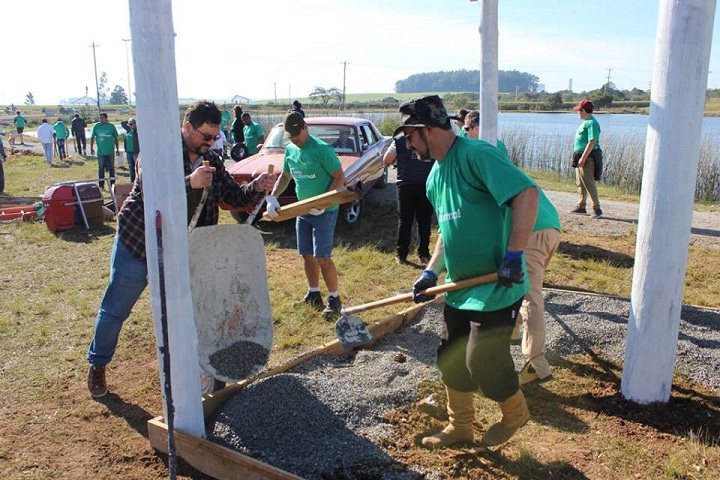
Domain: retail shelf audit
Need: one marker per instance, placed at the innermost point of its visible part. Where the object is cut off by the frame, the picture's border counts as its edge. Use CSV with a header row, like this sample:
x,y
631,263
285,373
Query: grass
x,y
51,285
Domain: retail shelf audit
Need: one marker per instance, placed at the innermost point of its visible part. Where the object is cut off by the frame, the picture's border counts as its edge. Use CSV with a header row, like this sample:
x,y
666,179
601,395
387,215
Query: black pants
x,y
80,144
476,351
413,205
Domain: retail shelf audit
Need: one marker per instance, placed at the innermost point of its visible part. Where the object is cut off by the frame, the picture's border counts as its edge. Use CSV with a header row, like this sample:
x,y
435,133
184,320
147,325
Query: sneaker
x,y
333,307
528,375
597,213
579,210
314,299
425,259
96,381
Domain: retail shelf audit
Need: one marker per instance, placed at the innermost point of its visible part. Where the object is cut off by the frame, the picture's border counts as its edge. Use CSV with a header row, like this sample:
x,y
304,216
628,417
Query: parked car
x,y
361,160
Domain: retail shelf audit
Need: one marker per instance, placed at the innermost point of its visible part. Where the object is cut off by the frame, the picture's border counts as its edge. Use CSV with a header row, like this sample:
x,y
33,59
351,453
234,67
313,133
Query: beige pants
x,y
585,181
540,249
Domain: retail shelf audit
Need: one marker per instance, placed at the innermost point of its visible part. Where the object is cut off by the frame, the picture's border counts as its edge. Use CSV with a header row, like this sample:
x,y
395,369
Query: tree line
x,y
466,81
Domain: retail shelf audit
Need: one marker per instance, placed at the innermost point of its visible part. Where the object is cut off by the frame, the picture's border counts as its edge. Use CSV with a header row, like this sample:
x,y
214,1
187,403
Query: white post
x,y
153,48
671,158
488,71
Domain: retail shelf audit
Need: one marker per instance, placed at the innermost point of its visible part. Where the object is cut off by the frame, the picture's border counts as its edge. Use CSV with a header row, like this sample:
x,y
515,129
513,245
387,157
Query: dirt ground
x,y
576,419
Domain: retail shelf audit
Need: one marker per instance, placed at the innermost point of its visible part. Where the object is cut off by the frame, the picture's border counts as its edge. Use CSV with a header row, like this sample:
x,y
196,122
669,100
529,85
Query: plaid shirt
x,y
131,219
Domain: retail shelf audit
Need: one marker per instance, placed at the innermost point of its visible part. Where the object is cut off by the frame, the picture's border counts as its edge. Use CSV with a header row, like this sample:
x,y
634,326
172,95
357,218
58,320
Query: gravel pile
x,y
324,418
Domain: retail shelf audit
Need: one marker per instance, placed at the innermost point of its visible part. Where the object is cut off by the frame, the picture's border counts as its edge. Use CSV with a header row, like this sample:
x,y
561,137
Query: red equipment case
x,y
59,204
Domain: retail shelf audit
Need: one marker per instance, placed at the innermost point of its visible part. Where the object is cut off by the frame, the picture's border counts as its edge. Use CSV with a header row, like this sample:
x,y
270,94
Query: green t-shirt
x,y
252,133
19,121
588,130
470,189
105,136
225,118
311,167
130,135
547,214
61,130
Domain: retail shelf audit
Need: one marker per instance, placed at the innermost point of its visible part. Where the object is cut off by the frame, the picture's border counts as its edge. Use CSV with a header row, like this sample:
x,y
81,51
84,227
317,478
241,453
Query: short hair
x,y
246,114
461,114
474,117
202,112
103,114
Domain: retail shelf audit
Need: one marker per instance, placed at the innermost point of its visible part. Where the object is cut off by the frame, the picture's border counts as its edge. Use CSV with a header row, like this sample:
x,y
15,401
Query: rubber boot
x,y
515,414
461,410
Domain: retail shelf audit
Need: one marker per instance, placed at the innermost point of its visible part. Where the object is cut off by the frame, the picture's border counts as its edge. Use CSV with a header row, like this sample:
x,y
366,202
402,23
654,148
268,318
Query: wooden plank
x,y
227,464
328,199
212,459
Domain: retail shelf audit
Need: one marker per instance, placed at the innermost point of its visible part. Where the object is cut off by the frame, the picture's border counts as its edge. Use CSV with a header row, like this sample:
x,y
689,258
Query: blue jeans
x,y
128,279
106,162
315,233
131,157
48,148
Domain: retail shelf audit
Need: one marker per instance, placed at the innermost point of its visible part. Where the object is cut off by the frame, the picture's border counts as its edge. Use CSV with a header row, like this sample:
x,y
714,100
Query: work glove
x,y
273,206
511,270
427,279
316,211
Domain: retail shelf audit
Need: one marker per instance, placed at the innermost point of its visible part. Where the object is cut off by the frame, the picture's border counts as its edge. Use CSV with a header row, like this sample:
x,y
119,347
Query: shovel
x,y
228,277
353,332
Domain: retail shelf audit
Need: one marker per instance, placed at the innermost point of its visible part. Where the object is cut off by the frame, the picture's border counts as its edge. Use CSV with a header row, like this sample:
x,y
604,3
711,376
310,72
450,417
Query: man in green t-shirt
x,y
542,244
61,134
587,159
316,169
19,122
107,137
254,134
486,208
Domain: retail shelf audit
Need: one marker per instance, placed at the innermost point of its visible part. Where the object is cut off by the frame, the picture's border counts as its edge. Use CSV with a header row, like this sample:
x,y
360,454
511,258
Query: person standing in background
x,y
78,126
45,134
587,159
106,134
132,145
297,107
19,122
61,134
541,246
413,203
253,133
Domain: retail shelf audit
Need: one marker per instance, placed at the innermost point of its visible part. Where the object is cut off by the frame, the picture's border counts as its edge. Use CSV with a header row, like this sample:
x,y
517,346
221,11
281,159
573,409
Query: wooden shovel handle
x,y
407,297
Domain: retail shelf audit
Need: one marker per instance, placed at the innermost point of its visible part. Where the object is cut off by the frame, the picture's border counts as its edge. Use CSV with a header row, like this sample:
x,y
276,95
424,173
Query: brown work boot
x,y
515,414
96,381
461,410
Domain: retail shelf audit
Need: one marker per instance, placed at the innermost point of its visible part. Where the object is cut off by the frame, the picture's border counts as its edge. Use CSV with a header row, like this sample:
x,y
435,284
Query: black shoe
x,y
333,307
579,210
401,260
425,259
96,381
314,299
597,213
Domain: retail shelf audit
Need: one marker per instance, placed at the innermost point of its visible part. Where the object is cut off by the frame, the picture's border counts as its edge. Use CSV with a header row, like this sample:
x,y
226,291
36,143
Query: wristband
x,y
513,254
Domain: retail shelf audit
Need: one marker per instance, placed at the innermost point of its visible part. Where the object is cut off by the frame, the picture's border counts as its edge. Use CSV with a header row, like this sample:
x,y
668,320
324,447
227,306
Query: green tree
x,y
118,96
326,94
29,99
555,101
102,87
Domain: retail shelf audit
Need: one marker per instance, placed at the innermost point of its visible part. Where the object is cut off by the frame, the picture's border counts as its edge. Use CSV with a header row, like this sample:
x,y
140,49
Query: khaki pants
x,y
540,249
585,181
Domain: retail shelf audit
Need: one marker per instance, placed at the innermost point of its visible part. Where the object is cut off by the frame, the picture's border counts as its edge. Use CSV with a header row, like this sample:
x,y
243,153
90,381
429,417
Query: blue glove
x,y
510,270
427,279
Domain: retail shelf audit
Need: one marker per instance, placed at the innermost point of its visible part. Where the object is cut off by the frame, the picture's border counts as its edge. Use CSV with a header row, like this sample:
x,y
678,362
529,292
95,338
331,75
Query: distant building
x,y
82,101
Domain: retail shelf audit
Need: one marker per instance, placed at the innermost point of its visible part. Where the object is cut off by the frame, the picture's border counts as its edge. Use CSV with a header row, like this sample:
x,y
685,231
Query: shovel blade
x,y
352,331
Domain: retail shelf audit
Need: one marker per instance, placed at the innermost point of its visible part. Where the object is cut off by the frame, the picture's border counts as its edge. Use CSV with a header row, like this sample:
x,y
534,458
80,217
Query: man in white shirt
x,y
45,135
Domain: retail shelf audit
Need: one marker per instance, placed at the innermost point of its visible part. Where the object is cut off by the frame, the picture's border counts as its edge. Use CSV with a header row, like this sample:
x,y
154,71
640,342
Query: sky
x,y
282,49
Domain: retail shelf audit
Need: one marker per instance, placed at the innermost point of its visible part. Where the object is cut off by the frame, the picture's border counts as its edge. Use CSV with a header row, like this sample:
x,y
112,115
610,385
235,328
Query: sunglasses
x,y
207,137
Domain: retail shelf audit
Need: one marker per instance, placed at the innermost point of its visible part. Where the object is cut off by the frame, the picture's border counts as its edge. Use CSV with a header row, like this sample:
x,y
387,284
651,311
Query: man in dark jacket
x,y
78,126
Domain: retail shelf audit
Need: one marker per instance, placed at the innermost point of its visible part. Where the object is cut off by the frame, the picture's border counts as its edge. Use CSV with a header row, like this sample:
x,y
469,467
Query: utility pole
x,y
343,99
97,85
275,89
127,63
608,81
